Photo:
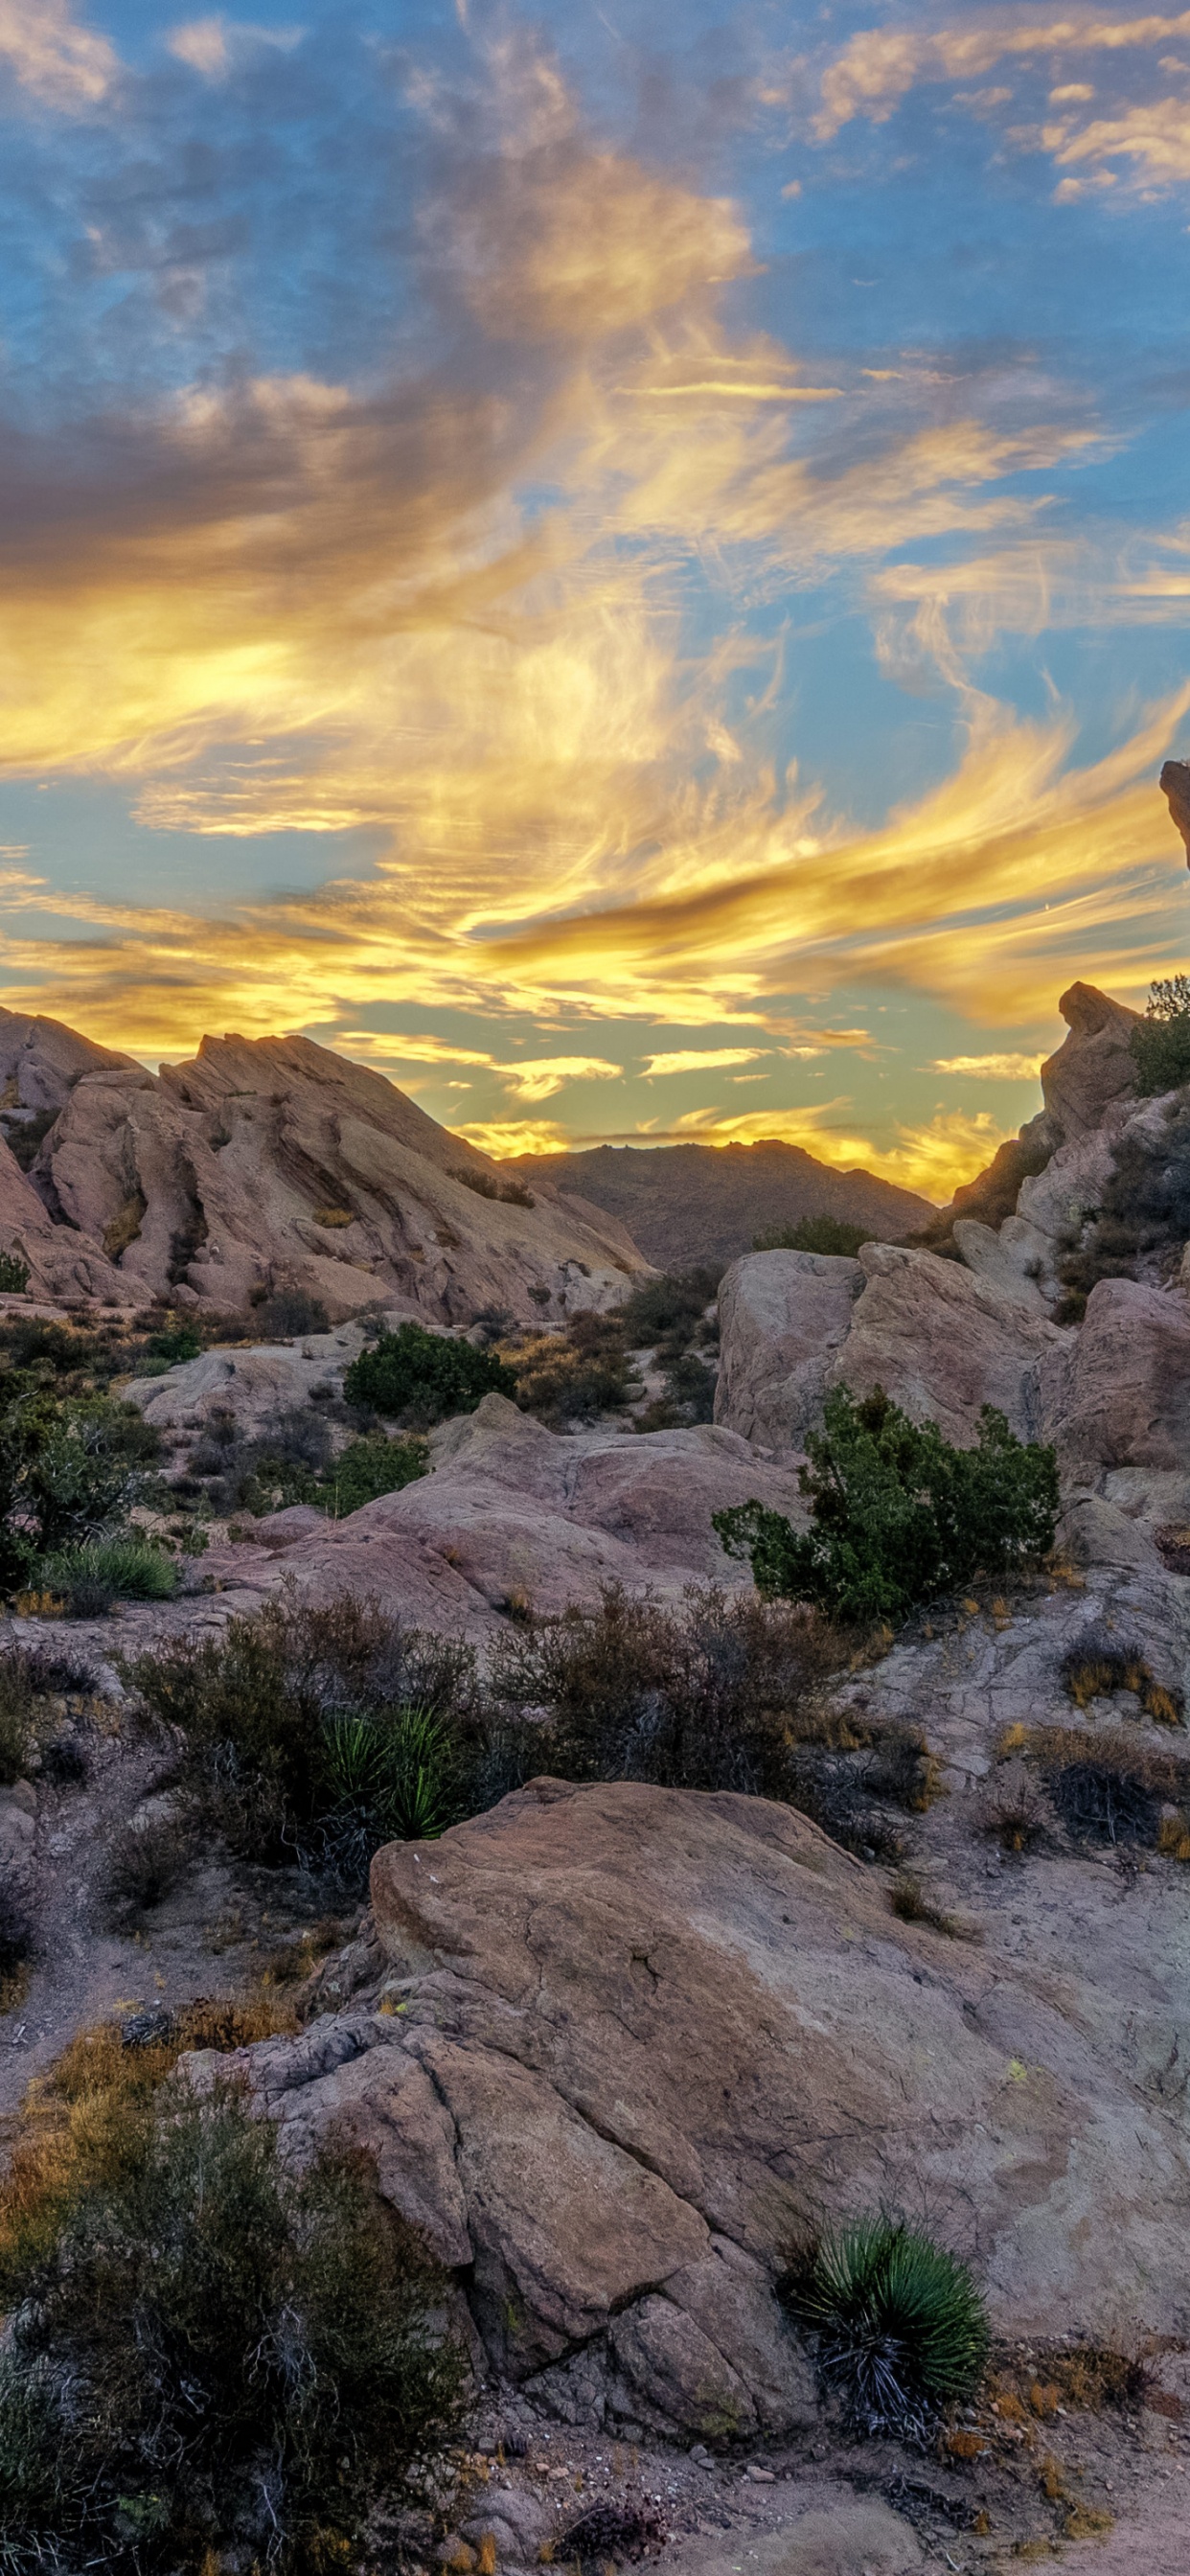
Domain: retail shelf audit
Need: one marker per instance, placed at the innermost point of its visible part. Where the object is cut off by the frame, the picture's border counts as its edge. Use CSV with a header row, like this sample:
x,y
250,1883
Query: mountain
x,y
270,1163
687,1204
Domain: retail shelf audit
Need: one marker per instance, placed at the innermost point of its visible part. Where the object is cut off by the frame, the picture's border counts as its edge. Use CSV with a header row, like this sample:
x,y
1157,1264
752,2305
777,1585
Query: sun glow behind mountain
x,y
632,577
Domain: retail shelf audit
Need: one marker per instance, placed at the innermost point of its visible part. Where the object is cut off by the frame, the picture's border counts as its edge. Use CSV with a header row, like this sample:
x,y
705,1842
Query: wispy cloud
x,y
215,45
58,60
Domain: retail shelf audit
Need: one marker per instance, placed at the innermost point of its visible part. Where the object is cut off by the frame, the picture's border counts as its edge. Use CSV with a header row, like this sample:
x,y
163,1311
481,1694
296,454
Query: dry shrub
x,y
909,1902
1106,1787
144,1862
1016,1812
1090,2376
1094,1670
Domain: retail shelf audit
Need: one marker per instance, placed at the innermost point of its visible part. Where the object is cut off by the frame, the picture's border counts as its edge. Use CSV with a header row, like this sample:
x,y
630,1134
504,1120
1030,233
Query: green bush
x,y
899,1515
208,2353
1160,1043
901,2328
69,1469
89,1579
422,1376
369,1467
14,1275
304,1729
816,1234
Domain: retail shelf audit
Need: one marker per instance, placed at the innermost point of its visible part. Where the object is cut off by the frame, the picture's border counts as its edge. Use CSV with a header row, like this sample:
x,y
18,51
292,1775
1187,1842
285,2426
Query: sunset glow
x,y
628,570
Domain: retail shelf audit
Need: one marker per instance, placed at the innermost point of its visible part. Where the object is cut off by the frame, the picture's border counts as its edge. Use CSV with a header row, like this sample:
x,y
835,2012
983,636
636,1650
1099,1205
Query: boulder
x,y
1118,1394
1175,786
645,2038
275,1163
1006,1262
40,1062
782,1317
942,1344
65,1267
854,2536
1093,1067
513,1514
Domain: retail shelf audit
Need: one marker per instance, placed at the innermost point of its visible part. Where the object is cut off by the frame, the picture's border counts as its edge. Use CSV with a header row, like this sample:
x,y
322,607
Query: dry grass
x,y
909,1902
1104,1786
1096,1671
75,2121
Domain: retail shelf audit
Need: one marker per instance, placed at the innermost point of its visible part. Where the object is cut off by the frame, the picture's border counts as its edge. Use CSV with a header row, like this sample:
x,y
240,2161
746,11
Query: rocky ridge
x,y
273,1163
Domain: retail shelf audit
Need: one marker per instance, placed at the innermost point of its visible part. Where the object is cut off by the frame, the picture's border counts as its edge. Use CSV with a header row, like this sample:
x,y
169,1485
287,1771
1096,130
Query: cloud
x,y
60,62
690,1060
214,46
879,67
995,1068
539,1077
502,1139
933,1159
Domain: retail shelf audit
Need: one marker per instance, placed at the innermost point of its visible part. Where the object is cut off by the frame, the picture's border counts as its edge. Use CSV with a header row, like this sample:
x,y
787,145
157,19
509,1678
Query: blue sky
x,y
626,566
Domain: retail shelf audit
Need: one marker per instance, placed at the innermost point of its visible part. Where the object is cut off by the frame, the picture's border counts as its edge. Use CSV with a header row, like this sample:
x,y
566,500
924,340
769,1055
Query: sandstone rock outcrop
x,y
1175,785
782,1317
1118,1394
275,1163
65,1268
1093,1067
941,1340
513,1514
645,2037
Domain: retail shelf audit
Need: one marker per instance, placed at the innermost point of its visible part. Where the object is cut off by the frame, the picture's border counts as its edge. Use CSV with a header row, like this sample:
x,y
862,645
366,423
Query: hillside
x,y
704,1203
268,1165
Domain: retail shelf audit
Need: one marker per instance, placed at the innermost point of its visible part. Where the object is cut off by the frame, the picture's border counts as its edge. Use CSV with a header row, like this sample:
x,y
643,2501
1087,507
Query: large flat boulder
x,y
782,1317
635,2040
513,1515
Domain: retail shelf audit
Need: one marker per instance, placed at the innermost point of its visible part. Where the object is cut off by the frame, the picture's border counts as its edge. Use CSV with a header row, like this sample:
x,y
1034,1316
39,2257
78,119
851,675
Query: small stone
x,y
760,2477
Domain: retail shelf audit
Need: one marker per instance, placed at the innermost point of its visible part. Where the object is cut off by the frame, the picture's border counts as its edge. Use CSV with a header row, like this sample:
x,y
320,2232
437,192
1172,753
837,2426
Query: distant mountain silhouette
x,y
684,1204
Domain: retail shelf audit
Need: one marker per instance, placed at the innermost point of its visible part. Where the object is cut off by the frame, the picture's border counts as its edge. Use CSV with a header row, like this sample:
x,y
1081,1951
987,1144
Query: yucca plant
x,y
901,2327
90,1578
387,1780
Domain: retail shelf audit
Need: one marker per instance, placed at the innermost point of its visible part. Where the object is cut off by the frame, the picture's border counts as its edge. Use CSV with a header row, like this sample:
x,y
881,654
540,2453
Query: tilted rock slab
x,y
65,1268
782,1317
633,2042
273,1162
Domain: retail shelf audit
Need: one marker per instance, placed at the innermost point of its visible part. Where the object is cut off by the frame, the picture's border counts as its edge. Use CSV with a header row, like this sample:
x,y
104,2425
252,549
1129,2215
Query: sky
x,y
625,564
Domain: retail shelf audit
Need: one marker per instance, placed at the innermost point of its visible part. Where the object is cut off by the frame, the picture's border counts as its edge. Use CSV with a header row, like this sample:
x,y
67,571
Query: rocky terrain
x,y
689,1204
615,2048
272,1163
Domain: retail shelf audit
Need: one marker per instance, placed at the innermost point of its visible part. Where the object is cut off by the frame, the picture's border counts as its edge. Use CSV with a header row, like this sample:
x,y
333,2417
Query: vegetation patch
x,y
901,2329
899,1515
209,2359
1160,1043
492,1185
1096,1668
570,1377
418,1378
1106,1788
89,1580
14,1275
829,1234
909,1902
144,1863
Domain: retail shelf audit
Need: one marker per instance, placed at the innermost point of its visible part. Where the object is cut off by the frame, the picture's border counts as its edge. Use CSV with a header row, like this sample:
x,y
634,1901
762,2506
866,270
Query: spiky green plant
x,y
388,1780
119,1569
902,2328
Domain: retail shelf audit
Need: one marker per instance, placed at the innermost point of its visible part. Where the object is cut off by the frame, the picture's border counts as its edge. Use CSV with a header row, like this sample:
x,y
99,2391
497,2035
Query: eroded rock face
x,y
65,1268
273,1162
782,1316
1118,1395
647,2036
1093,1067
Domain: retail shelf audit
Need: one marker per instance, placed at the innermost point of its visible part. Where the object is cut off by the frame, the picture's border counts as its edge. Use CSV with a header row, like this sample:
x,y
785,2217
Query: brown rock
x,y
273,1162
65,1267
669,2031
1118,1395
942,1344
782,1317
1175,786
1093,1066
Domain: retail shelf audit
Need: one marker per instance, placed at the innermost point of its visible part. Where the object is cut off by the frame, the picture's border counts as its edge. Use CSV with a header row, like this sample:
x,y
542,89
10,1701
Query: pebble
x,y
761,2477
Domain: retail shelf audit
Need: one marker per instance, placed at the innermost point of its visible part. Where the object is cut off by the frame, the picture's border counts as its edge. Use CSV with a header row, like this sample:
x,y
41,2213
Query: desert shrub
x,y
901,2328
14,1275
1096,1667
371,1466
1015,1812
816,1234
208,2353
284,1313
1143,1213
89,1579
16,1717
609,2533
702,1698
64,1763
16,1936
422,1377
909,1902
1105,1787
1160,1043
572,1376
144,1862
899,1515
667,1313
260,1709
70,1470
488,1185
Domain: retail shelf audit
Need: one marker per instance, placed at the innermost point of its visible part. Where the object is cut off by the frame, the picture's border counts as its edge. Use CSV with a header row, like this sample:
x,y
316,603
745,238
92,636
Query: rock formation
x,y
635,2041
273,1163
1175,784
691,1204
